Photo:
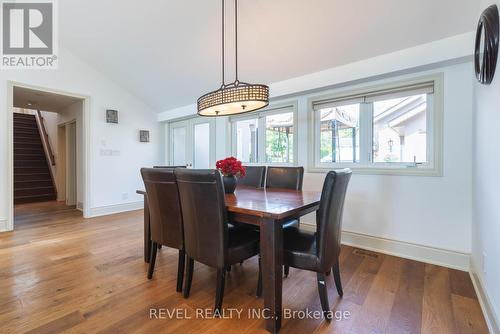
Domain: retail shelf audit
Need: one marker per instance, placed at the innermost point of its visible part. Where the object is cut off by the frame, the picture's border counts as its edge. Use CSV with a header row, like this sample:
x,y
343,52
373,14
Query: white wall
x,y
113,179
486,227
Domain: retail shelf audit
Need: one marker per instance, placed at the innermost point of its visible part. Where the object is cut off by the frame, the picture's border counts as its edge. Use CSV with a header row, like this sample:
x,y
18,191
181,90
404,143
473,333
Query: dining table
x,y
267,209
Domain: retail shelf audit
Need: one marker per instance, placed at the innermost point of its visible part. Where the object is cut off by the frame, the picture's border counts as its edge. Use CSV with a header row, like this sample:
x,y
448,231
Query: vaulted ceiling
x,y
167,52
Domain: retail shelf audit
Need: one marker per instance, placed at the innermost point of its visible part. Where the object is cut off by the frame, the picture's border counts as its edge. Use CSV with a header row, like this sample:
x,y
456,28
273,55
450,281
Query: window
x,y
247,140
274,144
383,129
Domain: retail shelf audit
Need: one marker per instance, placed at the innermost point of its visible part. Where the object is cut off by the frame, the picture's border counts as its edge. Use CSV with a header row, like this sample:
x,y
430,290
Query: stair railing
x,y
45,138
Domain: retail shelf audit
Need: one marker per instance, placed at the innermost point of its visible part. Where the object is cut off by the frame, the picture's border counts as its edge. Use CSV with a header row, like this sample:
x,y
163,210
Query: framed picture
x,y
111,116
144,136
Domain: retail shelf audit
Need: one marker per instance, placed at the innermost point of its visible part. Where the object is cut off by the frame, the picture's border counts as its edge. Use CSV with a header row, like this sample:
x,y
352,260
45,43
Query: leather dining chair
x,y
319,252
208,239
165,216
159,246
254,177
286,178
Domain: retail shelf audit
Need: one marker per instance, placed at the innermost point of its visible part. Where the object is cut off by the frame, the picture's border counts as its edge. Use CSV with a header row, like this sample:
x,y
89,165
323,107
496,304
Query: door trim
x,y
86,130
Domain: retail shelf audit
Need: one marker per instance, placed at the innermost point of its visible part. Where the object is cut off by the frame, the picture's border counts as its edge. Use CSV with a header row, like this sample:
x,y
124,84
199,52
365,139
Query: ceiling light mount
x,y
236,97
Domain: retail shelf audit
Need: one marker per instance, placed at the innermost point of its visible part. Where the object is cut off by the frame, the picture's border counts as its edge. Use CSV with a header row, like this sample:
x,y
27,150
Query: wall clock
x,y
486,46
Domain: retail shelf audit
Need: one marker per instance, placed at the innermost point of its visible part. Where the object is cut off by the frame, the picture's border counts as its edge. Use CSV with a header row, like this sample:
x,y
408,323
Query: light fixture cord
x,y
223,79
236,37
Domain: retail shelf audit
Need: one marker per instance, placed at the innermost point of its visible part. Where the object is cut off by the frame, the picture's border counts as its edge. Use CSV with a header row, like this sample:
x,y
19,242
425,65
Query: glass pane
x,y
202,146
339,131
247,141
279,138
400,130
179,146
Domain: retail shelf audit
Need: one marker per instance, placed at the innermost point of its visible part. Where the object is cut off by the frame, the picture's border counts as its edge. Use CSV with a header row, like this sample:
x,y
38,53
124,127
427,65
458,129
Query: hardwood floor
x,y
62,273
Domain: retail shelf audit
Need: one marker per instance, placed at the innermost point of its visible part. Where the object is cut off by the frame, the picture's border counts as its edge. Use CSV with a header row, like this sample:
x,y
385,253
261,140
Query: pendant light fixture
x,y
236,97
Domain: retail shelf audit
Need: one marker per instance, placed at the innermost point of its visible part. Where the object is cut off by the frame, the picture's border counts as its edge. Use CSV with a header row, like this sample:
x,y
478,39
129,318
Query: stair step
x,y
25,126
31,199
25,123
28,156
23,116
29,169
47,182
18,145
34,191
27,140
30,163
26,132
34,150
31,177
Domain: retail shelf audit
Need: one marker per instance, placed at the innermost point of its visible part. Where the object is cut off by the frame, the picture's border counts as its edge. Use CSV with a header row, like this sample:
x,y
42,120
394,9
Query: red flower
x,y
231,166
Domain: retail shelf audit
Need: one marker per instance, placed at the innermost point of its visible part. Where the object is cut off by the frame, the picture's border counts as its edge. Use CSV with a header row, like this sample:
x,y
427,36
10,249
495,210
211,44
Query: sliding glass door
x,y
192,143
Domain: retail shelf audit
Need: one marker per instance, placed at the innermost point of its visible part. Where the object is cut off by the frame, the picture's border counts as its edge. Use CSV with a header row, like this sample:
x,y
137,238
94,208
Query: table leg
x,y
147,232
271,250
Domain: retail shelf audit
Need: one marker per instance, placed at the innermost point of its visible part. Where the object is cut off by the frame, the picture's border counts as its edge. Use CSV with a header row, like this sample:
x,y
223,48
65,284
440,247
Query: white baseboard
x,y
117,208
490,315
3,225
407,250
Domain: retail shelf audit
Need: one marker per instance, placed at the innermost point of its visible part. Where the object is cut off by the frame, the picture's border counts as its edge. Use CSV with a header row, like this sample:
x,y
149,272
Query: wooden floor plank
x,y
60,273
437,312
406,312
468,315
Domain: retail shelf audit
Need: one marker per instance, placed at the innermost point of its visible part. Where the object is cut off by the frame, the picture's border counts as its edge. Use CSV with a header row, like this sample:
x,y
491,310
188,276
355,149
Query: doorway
x,y
192,143
49,127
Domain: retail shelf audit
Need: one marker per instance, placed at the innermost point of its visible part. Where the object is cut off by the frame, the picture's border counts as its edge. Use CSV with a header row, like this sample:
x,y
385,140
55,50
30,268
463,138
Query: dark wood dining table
x,y
268,209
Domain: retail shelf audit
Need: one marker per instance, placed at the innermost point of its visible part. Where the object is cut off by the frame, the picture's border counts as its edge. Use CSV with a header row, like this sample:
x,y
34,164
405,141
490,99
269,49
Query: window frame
x,y
272,109
434,129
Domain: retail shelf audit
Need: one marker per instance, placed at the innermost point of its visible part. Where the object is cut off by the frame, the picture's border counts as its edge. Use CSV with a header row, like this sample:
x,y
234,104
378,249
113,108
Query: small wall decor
x,y
144,136
486,46
111,116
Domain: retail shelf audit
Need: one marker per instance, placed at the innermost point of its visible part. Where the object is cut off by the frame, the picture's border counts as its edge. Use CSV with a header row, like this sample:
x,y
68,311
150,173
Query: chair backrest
x,y
204,214
164,206
285,177
254,177
169,166
329,216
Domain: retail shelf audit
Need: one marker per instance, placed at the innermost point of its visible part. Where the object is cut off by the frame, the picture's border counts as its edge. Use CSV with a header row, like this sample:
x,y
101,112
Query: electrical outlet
x,y
124,196
483,263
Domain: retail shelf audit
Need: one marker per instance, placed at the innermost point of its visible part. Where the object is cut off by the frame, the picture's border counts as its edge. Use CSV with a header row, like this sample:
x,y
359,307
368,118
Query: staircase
x,y
32,177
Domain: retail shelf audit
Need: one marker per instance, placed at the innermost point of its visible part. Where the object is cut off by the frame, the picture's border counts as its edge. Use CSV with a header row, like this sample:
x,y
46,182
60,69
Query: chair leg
x,y
328,272
152,260
189,276
180,269
219,295
323,295
286,270
259,282
228,269
159,246
336,277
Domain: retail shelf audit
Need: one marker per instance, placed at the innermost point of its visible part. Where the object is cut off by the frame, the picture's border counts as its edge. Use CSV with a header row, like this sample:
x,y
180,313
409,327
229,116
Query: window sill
x,y
397,171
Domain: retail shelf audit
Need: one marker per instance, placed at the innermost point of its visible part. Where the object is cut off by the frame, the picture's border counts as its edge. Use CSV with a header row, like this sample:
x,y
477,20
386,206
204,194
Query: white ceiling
x,y
38,100
167,52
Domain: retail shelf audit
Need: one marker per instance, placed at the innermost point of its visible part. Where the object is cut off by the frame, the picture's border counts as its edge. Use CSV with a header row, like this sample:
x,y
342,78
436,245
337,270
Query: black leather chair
x,y
286,178
165,216
208,239
255,177
319,252
159,246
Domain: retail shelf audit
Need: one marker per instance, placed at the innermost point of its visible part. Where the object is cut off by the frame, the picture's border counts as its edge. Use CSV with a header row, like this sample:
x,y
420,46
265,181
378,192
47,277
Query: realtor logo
x,y
29,38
